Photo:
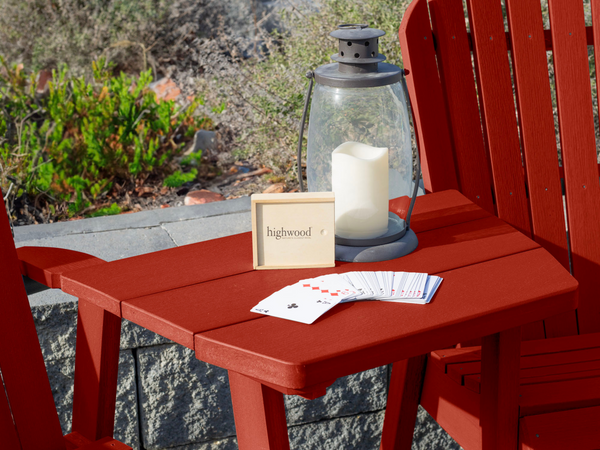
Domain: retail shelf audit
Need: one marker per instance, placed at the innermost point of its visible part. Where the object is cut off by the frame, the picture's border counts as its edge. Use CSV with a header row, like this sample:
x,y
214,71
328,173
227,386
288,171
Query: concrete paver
x,y
127,235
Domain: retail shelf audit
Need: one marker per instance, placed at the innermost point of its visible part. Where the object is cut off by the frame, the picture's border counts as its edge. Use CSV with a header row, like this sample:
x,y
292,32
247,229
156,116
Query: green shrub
x,y
111,210
44,34
193,159
179,178
84,137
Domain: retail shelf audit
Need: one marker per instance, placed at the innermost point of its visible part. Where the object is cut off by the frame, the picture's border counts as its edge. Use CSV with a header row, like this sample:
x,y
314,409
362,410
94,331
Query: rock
x,y
359,432
363,431
42,87
61,375
134,336
247,175
144,191
56,328
202,196
222,444
275,189
358,393
182,400
165,89
204,140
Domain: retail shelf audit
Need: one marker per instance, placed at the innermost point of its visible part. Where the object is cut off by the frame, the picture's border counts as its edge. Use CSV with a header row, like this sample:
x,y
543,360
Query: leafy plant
x,y
86,137
111,210
179,178
219,108
193,159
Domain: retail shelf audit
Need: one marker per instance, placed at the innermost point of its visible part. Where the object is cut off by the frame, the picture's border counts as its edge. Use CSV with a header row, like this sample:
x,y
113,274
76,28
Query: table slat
x,y
160,271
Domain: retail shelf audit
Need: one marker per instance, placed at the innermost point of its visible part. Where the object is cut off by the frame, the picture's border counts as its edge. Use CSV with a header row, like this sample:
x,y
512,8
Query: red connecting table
x,y
200,295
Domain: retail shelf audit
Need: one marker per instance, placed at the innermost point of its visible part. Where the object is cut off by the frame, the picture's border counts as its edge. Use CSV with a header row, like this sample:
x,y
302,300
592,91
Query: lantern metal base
x,y
402,247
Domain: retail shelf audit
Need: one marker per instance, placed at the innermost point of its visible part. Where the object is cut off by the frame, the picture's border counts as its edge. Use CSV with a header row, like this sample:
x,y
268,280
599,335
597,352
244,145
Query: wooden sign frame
x,y
293,230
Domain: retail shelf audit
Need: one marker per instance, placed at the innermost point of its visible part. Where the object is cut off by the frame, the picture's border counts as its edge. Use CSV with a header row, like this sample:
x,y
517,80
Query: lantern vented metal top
x,y
358,61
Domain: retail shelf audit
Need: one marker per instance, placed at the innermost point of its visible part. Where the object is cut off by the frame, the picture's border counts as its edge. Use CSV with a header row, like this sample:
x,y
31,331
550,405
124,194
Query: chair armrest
x,y
47,264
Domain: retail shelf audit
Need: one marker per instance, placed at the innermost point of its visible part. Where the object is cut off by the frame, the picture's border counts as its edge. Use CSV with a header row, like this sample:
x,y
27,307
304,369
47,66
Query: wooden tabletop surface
x,y
200,296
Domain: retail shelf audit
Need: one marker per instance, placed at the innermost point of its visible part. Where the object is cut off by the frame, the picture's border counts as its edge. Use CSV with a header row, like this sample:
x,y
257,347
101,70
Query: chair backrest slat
x,y
433,135
496,96
498,112
454,57
578,148
21,362
538,137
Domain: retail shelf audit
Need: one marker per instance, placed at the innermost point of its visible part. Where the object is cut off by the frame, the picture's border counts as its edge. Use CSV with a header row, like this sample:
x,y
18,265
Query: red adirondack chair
x,y
28,418
500,150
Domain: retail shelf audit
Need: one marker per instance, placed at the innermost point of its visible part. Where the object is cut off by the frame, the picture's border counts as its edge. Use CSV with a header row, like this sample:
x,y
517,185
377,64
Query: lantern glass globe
x,y
375,116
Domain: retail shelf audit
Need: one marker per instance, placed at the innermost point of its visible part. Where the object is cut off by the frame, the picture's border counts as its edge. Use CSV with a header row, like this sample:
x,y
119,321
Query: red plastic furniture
x,y
28,418
200,296
500,151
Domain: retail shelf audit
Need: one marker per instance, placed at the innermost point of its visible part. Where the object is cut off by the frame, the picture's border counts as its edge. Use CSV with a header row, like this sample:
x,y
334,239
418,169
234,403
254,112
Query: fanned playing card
x,y
307,300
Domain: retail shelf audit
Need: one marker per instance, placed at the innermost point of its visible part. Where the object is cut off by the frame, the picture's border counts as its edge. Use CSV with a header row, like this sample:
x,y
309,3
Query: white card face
x,y
408,289
380,277
415,290
390,281
431,286
412,278
402,284
374,284
385,280
333,285
395,280
295,303
419,290
359,282
399,278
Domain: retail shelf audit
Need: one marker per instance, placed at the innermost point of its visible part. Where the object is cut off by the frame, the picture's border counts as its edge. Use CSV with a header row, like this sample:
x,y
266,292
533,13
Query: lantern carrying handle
x,y
311,76
418,174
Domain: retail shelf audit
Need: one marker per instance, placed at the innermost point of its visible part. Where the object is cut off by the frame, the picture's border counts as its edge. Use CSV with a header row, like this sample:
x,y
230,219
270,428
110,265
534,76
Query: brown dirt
x,y
241,179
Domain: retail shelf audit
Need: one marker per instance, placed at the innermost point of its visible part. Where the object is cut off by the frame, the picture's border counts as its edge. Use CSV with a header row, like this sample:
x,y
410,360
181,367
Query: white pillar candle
x,y
359,178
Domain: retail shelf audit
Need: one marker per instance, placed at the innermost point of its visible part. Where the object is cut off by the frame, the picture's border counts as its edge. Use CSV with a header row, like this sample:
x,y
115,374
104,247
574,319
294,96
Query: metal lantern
x,y
359,146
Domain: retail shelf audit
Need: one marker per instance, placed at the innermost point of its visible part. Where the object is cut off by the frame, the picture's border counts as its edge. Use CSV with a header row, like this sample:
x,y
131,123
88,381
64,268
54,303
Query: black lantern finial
x,y
358,63
358,48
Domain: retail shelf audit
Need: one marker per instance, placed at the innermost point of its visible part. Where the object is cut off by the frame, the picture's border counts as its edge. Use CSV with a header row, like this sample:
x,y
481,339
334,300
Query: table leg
x,y
402,404
259,415
499,407
96,371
